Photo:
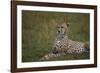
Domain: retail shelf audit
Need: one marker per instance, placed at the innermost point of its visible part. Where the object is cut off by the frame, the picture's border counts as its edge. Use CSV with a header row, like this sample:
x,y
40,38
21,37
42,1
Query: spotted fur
x,y
63,45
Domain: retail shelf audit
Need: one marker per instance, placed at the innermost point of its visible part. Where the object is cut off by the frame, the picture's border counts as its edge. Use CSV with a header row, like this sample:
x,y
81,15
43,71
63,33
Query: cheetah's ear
x,y
68,24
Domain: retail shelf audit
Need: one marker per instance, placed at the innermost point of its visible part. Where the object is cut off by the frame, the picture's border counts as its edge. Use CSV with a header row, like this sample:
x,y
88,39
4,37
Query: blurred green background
x,y
39,31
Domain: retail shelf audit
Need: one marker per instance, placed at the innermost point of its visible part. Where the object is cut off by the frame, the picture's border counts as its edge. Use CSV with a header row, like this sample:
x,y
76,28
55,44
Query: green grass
x,y
39,32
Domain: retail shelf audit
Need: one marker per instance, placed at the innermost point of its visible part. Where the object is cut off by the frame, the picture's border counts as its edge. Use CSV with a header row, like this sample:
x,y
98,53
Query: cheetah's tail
x,y
87,46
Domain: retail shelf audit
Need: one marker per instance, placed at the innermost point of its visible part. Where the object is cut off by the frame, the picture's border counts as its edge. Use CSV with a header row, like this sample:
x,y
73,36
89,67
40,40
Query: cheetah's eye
x,y
62,27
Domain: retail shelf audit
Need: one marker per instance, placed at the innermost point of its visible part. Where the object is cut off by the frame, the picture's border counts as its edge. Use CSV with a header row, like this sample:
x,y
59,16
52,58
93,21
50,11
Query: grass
x,y
39,32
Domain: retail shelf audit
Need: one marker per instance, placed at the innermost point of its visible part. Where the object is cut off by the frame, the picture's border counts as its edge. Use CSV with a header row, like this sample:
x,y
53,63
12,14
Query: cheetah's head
x,y
62,29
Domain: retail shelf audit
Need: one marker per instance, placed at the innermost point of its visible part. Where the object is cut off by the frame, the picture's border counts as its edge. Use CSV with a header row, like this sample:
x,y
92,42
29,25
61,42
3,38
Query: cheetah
x,y
63,45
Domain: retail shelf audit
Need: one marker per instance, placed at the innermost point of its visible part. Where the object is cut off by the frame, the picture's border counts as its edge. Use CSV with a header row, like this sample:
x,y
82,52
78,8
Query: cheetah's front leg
x,y
49,56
